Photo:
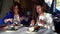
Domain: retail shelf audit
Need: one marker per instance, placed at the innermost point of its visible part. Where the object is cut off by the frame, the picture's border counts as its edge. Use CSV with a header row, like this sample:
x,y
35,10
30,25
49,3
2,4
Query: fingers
x,y
8,20
22,18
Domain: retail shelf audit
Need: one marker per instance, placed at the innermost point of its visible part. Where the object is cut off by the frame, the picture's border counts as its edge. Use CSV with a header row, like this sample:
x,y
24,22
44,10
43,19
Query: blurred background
x,y
26,5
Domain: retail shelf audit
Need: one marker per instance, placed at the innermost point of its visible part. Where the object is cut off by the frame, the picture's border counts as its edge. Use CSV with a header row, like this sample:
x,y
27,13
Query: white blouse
x,y
17,17
47,18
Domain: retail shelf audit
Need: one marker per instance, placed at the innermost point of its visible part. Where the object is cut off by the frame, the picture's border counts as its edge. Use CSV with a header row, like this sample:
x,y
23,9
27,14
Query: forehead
x,y
38,6
16,6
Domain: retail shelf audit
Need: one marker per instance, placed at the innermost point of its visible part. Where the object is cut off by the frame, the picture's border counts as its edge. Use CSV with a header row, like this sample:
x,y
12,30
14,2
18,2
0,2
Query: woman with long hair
x,y
14,14
41,18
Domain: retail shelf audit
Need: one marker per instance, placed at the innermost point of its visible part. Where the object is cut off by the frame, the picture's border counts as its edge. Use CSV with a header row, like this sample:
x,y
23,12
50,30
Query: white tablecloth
x,y
24,30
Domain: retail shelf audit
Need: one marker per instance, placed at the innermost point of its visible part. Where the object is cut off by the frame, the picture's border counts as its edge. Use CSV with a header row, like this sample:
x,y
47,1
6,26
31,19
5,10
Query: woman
x,y
42,18
14,14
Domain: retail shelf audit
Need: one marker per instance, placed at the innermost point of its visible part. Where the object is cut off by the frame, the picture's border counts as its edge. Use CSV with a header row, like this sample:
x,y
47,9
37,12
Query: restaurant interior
x,y
27,8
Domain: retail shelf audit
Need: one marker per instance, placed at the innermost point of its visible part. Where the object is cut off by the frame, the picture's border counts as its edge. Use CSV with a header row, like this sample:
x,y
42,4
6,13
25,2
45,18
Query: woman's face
x,y
15,9
39,9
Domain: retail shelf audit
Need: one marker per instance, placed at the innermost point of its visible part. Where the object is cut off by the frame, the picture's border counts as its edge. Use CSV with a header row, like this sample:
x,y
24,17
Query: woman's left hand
x,y
22,18
42,22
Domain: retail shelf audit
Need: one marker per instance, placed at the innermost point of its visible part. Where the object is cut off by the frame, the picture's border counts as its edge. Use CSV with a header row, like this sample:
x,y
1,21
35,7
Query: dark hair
x,y
19,7
42,4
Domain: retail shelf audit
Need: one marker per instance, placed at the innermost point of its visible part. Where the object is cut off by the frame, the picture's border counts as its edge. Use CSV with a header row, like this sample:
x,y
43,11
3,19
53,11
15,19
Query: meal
x,y
33,28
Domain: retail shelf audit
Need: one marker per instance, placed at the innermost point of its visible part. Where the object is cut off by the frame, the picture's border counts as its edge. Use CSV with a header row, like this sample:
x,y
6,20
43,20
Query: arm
x,y
7,17
22,20
50,22
8,20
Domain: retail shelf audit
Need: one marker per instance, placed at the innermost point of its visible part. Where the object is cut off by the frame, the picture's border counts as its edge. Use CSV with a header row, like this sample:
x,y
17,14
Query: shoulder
x,y
9,12
47,14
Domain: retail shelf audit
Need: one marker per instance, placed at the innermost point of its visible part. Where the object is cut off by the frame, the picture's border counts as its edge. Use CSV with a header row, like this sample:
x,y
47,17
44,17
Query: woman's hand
x,y
42,22
22,18
32,22
8,20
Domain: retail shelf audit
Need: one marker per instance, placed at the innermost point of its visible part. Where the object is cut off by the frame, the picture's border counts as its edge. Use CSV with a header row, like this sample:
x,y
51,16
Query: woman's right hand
x,y
8,20
32,22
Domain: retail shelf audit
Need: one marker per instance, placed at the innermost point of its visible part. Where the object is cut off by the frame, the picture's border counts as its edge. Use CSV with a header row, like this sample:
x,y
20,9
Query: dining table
x,y
24,30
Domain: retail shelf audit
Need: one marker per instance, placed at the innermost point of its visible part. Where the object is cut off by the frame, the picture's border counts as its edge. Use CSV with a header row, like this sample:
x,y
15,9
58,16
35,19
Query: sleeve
x,y
8,15
23,22
50,22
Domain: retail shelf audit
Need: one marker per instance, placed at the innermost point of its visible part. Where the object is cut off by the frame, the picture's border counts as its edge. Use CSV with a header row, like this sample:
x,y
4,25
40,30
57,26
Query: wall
x,y
5,7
